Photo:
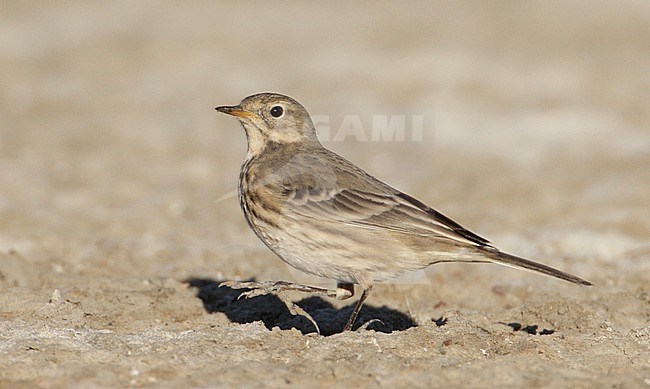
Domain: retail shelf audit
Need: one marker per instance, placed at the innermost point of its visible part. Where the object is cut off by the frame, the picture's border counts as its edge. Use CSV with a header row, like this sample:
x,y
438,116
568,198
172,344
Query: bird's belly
x,y
341,252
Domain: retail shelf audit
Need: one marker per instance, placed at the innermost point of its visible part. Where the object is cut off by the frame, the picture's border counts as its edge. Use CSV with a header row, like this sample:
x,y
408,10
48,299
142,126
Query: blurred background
x,y
536,125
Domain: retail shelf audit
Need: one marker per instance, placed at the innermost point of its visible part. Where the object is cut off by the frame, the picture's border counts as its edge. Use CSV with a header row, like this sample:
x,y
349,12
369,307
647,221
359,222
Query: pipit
x,y
325,216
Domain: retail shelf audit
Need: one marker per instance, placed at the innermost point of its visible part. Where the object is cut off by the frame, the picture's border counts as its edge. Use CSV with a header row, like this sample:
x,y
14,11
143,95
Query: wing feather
x,y
395,211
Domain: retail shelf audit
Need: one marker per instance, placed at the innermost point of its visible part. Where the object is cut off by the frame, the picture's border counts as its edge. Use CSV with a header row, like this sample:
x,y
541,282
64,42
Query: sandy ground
x,y
117,215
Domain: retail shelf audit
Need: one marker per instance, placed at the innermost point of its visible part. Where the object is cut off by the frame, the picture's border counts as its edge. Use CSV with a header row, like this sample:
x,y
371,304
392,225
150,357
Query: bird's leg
x,y
357,308
343,290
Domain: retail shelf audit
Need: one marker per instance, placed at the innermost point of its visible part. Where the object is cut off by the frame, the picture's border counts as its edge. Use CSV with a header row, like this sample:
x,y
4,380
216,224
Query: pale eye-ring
x,y
277,111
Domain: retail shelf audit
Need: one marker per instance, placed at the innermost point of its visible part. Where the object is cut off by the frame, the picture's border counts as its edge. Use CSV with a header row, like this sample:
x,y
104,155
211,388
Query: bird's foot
x,y
274,287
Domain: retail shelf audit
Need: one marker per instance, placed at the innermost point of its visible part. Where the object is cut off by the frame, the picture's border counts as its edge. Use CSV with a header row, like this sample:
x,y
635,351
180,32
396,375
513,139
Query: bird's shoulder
x,y
294,167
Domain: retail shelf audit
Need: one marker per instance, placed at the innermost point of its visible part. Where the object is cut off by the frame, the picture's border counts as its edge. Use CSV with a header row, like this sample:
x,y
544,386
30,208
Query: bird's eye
x,y
277,111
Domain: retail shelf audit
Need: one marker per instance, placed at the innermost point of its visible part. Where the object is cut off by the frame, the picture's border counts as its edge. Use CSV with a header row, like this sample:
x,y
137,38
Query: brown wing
x,y
390,211
322,185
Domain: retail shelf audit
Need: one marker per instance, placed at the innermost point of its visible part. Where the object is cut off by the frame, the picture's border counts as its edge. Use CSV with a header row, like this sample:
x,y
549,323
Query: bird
x,y
325,216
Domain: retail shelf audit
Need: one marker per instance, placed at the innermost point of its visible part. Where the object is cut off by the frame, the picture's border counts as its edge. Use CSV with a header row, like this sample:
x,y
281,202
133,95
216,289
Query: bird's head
x,y
272,117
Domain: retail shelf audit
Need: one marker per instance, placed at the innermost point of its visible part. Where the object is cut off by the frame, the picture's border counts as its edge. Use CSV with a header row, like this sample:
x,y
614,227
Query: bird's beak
x,y
235,111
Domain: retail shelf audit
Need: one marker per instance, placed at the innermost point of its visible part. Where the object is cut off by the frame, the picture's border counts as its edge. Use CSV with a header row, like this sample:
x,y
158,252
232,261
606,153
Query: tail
x,y
526,264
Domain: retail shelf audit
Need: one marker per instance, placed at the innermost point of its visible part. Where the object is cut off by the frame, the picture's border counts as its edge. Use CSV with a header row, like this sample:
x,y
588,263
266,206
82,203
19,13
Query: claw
x,y
296,310
252,293
369,322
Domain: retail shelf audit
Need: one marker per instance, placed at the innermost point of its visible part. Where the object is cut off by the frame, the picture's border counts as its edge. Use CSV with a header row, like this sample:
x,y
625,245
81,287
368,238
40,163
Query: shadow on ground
x,y
274,313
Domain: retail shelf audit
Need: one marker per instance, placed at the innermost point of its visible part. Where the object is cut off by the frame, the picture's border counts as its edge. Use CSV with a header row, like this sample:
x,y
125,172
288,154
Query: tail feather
x,y
526,264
